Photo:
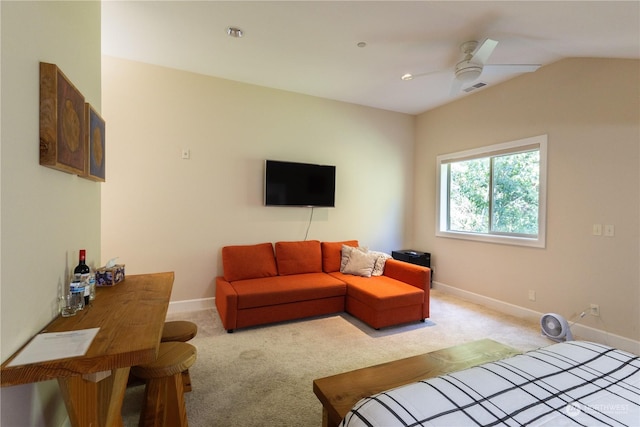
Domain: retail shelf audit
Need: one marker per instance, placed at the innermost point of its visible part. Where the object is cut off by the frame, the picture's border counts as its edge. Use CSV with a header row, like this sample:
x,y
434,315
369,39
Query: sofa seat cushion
x,y
286,289
381,292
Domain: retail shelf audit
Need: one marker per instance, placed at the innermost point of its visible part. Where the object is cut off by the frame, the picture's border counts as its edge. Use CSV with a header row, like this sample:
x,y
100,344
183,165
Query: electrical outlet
x,y
594,310
532,295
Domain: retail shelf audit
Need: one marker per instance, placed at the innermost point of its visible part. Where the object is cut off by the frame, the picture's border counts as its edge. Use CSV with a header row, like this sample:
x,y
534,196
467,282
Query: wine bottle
x,y
83,270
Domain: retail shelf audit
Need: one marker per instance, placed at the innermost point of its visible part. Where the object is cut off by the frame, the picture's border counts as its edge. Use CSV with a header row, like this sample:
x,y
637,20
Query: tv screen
x,y
299,184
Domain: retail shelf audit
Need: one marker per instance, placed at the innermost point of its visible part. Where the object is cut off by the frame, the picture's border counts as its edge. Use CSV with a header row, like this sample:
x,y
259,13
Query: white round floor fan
x,y
555,327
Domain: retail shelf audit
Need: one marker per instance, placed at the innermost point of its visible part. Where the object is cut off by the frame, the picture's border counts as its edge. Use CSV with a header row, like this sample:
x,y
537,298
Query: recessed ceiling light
x,y
407,77
234,32
362,44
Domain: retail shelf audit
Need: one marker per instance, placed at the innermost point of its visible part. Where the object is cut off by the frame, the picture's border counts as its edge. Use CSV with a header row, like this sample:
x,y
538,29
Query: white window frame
x,y
442,201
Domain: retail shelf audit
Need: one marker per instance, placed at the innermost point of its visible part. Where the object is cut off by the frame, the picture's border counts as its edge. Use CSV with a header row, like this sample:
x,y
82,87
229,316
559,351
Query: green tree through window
x,y
495,193
516,182
469,195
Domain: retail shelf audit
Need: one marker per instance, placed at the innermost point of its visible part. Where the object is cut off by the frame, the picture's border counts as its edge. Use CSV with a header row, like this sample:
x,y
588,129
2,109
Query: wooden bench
x,y
338,393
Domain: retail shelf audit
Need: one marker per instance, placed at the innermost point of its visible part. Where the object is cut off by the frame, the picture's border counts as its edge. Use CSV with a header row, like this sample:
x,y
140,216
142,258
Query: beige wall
x,y
160,212
163,213
589,108
47,215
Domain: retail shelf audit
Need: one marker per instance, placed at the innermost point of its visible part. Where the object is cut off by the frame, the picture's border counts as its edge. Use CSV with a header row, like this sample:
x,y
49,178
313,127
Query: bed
x,y
570,383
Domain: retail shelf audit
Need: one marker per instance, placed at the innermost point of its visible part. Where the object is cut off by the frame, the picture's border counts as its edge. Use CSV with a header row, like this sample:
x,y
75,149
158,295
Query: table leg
x,y
95,404
326,421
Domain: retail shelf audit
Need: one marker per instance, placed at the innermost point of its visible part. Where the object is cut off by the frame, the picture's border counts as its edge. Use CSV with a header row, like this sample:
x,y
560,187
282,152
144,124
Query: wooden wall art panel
x,y
95,141
62,122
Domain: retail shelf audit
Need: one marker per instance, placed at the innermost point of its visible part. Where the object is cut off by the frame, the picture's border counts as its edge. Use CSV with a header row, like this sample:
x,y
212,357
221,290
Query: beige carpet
x,y
263,376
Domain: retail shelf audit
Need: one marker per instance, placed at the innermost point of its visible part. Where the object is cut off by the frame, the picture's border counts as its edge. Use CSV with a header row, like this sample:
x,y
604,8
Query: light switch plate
x,y
597,229
609,230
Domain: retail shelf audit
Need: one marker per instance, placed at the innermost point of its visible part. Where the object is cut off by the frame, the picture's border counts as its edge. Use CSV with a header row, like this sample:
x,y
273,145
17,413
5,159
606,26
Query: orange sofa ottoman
x,y
400,295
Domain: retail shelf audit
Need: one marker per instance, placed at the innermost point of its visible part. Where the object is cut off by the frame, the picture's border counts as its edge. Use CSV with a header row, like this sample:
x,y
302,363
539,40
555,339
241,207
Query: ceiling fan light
x,y
468,74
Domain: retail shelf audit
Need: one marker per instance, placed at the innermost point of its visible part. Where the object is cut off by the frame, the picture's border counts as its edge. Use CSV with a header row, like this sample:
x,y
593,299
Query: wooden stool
x,y
178,330
164,393
182,331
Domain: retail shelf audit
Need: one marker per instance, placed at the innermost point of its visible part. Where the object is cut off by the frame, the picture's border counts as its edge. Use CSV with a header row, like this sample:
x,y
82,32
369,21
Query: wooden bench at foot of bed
x,y
338,393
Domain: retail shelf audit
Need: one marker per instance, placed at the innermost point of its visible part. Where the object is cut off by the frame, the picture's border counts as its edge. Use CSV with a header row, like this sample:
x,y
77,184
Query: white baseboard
x,y
191,305
582,332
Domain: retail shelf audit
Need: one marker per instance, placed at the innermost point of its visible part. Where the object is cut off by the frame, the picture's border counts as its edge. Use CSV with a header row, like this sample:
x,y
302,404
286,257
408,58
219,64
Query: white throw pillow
x,y
381,260
346,253
360,264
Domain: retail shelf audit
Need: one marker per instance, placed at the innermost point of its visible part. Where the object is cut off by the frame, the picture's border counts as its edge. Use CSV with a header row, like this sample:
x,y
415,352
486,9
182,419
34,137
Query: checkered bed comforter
x,y
573,383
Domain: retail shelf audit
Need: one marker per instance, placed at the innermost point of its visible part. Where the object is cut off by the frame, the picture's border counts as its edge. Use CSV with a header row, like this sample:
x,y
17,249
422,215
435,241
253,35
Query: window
x,y
494,194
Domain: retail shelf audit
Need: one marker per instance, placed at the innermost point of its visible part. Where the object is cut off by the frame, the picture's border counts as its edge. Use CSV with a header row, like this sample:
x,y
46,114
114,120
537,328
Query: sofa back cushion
x,y
248,262
332,254
298,257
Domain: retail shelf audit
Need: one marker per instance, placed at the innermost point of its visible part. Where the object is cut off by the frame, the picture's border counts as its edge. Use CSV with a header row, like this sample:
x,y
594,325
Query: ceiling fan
x,y
474,64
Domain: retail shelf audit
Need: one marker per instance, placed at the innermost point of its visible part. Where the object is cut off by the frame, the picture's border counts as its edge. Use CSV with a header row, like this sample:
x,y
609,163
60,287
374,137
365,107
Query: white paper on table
x,y
55,345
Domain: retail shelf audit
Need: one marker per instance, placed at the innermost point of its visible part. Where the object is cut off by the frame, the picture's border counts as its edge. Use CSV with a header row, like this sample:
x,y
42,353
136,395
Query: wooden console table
x,y
130,316
338,393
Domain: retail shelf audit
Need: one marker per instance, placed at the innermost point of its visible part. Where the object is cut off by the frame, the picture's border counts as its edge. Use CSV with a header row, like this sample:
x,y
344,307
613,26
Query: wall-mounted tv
x,y
299,184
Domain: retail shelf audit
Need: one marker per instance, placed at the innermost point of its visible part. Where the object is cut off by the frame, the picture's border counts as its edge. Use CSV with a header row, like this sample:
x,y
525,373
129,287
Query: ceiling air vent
x,y
474,87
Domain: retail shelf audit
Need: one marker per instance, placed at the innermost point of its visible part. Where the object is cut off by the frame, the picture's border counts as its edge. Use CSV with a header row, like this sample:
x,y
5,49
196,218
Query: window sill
x,y
493,238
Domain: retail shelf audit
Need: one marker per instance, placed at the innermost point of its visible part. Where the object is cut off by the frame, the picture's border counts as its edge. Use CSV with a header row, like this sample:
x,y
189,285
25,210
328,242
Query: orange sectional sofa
x,y
303,279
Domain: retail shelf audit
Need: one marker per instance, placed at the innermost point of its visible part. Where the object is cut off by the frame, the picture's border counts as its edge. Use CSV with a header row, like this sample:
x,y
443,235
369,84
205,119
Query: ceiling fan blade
x,y
510,68
410,76
482,54
456,85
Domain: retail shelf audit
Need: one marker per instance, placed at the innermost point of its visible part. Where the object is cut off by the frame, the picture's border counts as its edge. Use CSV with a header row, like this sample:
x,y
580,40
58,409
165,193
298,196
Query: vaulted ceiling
x,y
356,51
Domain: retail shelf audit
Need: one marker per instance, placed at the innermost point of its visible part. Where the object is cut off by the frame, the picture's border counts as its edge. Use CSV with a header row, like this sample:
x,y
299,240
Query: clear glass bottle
x,y
77,290
92,284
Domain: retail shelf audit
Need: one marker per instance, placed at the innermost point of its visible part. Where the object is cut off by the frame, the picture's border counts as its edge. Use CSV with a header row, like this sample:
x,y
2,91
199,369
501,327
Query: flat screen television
x,y
299,184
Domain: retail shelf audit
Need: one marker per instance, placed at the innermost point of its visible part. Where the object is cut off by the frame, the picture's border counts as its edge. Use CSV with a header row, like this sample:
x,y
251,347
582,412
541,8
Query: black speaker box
x,y
414,257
